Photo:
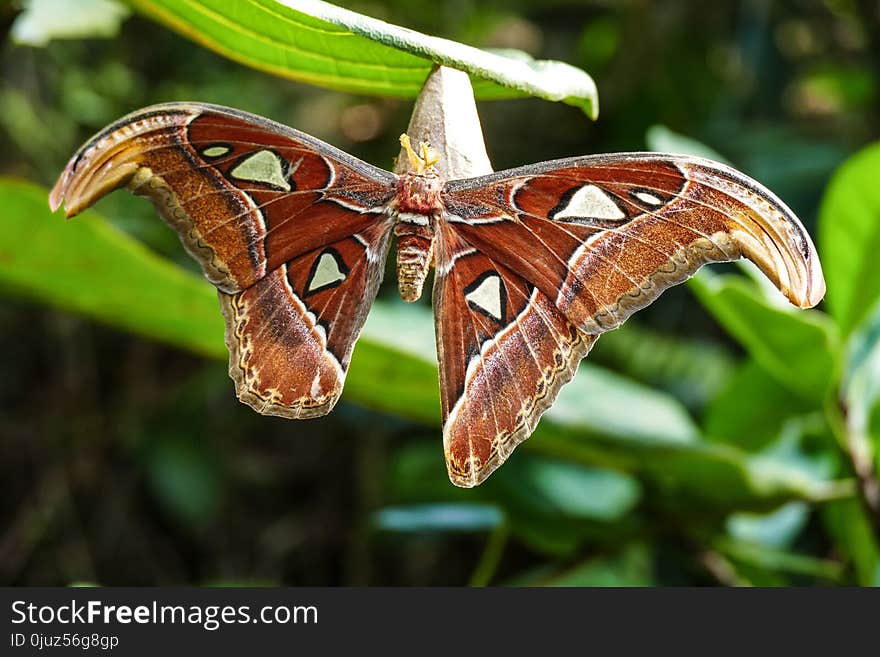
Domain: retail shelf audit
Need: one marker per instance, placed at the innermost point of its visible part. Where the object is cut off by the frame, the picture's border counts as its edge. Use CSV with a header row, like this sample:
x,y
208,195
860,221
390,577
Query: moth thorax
x,y
419,193
415,254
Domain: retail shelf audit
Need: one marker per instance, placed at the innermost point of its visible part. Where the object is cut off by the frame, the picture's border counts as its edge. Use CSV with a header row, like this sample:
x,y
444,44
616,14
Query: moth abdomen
x,y
415,255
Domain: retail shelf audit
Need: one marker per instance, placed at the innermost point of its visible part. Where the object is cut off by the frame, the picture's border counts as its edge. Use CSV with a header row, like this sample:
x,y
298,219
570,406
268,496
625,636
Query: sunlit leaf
x,y
849,238
567,489
692,370
776,529
89,267
319,43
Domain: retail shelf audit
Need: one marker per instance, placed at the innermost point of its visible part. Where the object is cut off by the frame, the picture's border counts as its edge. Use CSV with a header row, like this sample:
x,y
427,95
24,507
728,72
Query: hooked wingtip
x,y
56,196
815,284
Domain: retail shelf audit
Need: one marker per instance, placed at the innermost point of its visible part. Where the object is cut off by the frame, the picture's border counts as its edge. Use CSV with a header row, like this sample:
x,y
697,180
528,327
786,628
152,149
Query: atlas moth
x,y
532,264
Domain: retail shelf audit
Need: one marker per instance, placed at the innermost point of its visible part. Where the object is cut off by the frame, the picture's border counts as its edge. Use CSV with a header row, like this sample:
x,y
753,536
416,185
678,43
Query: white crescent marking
x,y
650,199
216,151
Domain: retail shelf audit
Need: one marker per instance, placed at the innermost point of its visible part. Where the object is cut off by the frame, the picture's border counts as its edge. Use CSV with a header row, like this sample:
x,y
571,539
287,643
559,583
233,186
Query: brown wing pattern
x,y
584,243
291,334
244,193
504,351
292,231
603,236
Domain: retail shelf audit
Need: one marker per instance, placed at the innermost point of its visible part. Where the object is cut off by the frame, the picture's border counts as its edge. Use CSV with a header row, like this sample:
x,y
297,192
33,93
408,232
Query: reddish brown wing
x,y
292,231
291,334
505,351
597,238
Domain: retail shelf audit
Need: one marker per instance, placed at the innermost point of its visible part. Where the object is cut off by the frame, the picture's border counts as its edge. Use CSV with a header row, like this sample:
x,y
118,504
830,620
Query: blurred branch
x,y
489,561
763,557
858,455
720,568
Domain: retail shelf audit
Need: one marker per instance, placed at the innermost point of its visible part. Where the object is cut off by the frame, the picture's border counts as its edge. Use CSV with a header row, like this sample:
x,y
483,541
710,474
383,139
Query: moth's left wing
x,y
292,232
291,334
534,263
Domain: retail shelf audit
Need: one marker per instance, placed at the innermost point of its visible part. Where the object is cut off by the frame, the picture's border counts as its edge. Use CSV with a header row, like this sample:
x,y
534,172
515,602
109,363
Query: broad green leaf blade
x,y
551,505
89,267
797,347
775,530
750,410
570,490
316,42
691,369
849,238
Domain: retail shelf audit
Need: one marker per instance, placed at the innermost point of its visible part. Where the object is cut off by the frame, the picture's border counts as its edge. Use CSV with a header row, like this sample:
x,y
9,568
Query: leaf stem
x,y
851,444
489,561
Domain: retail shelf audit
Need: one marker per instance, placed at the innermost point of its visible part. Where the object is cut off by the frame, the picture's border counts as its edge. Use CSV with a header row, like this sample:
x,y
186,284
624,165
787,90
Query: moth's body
x,y
532,264
417,209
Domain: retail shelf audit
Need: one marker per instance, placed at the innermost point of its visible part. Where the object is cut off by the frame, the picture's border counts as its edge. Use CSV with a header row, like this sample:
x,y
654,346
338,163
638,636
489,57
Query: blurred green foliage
x,y
718,436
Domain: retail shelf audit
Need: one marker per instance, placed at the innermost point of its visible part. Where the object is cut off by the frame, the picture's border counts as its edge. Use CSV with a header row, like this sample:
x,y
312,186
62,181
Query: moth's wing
x,y
245,194
291,334
572,248
292,231
603,236
505,351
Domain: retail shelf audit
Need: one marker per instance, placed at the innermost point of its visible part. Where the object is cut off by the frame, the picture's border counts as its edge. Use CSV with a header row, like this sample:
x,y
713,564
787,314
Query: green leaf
x,y
849,238
88,266
567,489
861,393
551,505
777,529
851,529
691,369
750,410
796,347
44,20
318,43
